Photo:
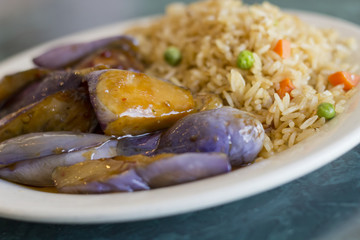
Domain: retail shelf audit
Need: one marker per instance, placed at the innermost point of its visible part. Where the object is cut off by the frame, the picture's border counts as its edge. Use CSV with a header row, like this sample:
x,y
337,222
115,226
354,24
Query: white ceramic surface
x,y
338,137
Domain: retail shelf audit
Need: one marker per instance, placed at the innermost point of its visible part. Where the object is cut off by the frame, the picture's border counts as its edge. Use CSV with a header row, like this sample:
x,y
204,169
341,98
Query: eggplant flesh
x,y
13,83
123,178
68,110
36,91
120,54
37,172
36,145
138,172
207,101
129,103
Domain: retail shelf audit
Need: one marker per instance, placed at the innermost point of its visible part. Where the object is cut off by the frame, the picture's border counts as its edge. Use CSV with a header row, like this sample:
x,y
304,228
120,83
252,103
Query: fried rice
x,y
211,34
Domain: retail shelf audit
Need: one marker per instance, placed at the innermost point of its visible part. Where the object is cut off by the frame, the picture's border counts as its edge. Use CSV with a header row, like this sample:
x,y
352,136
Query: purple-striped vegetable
x,y
62,56
227,130
139,172
37,172
183,168
143,144
68,110
52,83
100,176
119,54
37,145
13,83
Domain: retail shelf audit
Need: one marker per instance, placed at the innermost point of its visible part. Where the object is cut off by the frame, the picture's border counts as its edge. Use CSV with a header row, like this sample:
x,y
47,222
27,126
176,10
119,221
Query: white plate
x,y
338,137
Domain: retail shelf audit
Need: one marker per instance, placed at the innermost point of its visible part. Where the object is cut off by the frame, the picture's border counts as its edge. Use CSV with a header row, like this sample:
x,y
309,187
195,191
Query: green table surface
x,y
324,204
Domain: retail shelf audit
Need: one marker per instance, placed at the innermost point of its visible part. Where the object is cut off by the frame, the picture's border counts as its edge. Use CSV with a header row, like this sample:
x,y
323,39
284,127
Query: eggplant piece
x,y
142,144
100,176
68,110
183,168
120,54
37,172
127,174
207,101
54,82
37,145
66,55
11,84
133,103
228,130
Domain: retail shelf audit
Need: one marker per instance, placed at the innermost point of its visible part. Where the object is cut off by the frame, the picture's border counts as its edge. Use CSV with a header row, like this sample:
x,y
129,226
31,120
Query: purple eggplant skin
x,y
228,130
52,83
119,54
68,110
104,115
63,56
124,179
138,172
125,182
37,145
13,83
183,168
142,144
37,172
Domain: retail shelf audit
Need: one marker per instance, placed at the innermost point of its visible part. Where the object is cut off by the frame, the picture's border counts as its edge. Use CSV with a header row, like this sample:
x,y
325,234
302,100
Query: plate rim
x,y
110,213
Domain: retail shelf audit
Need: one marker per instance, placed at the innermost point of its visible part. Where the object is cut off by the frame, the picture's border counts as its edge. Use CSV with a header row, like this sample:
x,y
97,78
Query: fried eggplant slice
x,y
133,103
42,144
228,130
127,174
68,110
142,144
13,83
37,172
52,83
119,54
69,55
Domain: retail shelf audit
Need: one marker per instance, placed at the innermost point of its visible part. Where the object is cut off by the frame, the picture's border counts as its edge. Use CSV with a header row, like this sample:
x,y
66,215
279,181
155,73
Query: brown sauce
x,y
41,189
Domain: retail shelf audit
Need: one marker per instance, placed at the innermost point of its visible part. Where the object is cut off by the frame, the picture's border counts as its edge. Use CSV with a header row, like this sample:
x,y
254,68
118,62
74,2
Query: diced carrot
x,y
349,80
286,86
282,48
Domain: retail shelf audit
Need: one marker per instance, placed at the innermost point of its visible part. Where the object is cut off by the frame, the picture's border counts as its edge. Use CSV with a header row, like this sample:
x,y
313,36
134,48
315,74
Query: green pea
x,y
172,56
326,110
245,60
